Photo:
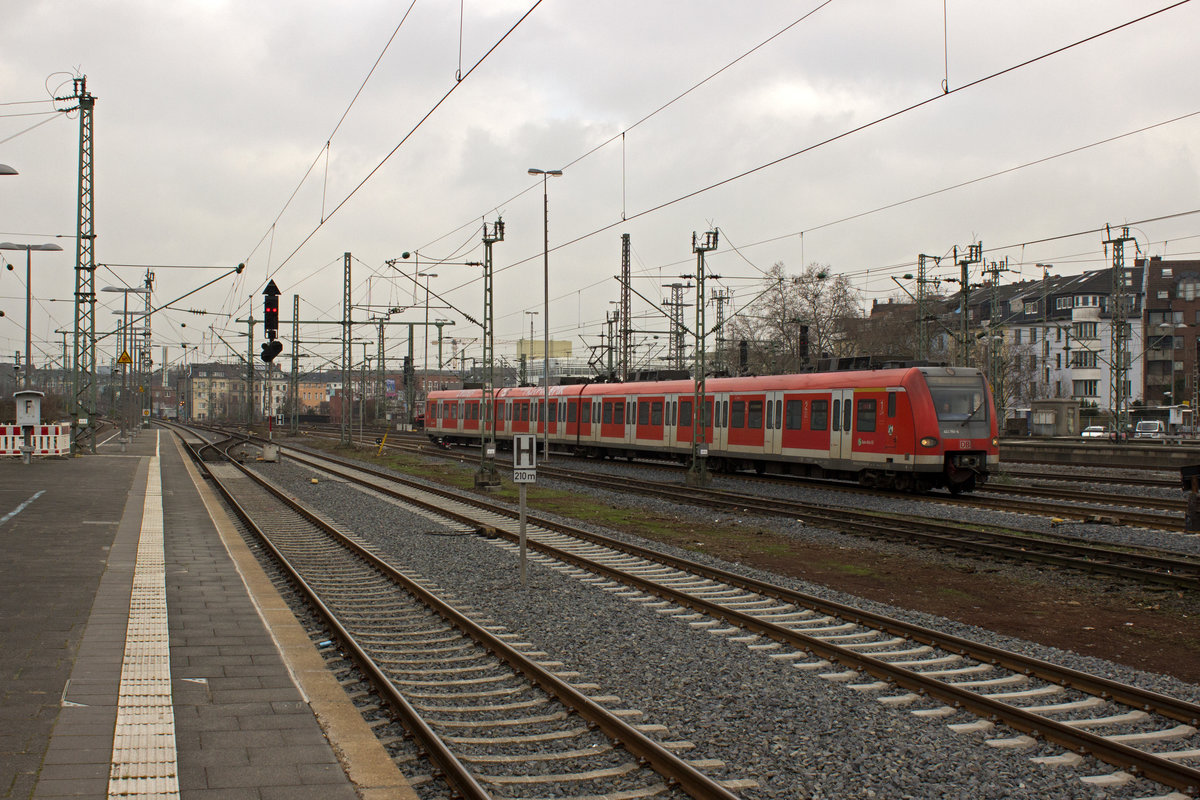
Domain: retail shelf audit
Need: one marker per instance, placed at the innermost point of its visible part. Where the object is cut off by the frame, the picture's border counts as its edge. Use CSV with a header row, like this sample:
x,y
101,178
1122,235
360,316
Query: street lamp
x,y
546,173
28,248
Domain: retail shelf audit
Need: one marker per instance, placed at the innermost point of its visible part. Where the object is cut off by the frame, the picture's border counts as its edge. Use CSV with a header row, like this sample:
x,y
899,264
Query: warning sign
x,y
125,359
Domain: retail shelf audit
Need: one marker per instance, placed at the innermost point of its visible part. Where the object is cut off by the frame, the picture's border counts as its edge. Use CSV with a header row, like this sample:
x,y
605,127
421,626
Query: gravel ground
x,y
797,734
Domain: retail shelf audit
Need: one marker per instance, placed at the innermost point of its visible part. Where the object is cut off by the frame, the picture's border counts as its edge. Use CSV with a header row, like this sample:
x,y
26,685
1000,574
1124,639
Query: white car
x,y
1150,429
1094,432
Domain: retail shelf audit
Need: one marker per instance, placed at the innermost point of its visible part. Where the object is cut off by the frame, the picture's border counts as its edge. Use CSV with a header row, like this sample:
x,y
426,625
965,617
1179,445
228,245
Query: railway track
x,y
1140,564
1112,509
1147,481
493,715
904,666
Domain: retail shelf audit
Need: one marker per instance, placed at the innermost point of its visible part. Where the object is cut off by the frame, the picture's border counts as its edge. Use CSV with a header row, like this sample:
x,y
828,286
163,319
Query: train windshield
x,y
962,401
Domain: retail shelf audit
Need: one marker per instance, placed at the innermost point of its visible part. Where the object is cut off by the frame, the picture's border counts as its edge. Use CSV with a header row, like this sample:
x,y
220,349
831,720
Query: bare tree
x,y
813,311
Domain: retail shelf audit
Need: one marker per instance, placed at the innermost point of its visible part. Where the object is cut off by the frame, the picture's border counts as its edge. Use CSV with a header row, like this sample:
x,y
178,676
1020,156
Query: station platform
x,y
144,653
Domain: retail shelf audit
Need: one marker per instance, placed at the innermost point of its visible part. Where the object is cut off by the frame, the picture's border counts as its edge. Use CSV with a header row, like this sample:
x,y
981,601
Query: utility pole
x,y
294,378
250,366
611,320
677,338
923,312
1045,371
410,381
487,477
145,357
380,390
347,409
698,474
720,297
83,412
995,336
1118,330
624,311
974,256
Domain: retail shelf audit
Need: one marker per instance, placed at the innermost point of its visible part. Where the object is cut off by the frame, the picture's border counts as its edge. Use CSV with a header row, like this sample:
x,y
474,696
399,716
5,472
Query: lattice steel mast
x,y
625,319
1119,339
487,475
698,474
84,407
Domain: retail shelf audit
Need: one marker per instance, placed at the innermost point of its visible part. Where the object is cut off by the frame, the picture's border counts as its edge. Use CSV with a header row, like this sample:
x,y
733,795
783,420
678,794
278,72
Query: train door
x,y
841,436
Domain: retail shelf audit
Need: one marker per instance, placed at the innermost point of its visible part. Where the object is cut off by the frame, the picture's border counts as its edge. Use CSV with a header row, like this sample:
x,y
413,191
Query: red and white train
x,y
909,428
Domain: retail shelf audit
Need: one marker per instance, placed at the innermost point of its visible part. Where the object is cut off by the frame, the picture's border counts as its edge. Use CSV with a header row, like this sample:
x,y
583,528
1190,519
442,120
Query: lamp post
x,y
546,173
28,248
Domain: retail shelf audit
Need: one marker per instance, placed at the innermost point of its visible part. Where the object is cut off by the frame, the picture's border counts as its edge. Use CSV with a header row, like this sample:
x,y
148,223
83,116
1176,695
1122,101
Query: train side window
x,y
778,413
846,416
754,415
724,413
619,412
608,413
570,412
837,415
685,413
891,404
707,421
596,412
643,413
656,409
866,416
795,415
737,417
820,415
770,415
562,411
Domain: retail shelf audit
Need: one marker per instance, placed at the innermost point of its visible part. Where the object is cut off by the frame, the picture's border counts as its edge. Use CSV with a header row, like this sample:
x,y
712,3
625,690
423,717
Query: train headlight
x,y
995,441
929,441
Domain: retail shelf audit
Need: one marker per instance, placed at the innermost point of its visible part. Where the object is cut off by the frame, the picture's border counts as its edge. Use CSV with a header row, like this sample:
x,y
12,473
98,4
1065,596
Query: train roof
x,y
880,378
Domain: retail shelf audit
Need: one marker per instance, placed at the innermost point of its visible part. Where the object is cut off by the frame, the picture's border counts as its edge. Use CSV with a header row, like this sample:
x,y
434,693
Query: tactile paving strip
x,y
144,761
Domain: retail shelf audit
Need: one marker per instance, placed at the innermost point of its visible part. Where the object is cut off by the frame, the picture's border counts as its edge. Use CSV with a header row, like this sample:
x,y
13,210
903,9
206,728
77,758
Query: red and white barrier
x,y
47,440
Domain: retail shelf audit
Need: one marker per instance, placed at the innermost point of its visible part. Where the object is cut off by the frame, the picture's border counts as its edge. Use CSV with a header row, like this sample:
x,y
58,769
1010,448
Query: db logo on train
x,y
964,444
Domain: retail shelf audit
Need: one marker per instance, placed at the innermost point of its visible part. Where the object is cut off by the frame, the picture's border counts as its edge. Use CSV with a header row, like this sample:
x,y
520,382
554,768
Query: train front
x,y
965,424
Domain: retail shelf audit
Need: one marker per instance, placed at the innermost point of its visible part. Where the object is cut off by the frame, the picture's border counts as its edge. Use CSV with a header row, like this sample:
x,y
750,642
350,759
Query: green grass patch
x,y
856,569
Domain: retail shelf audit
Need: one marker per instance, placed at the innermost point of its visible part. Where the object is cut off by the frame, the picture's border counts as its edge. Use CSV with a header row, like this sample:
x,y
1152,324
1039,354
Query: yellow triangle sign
x,y
125,359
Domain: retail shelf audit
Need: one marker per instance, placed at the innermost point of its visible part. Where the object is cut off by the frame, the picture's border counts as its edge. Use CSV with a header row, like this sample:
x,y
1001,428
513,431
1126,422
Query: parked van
x,y
1150,429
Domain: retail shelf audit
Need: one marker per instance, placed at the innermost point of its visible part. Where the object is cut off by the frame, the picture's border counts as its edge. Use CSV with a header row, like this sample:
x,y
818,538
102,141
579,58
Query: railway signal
x,y
272,347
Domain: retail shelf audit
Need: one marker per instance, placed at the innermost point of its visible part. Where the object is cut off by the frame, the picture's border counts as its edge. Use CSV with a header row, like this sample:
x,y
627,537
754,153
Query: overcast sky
x,y
210,114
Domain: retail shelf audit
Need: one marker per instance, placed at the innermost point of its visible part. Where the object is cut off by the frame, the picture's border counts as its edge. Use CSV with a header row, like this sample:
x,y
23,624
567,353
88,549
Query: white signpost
x,y
524,473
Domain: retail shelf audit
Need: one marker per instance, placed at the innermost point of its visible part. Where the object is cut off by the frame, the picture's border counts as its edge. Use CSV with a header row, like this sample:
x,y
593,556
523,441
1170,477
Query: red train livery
x,y
908,428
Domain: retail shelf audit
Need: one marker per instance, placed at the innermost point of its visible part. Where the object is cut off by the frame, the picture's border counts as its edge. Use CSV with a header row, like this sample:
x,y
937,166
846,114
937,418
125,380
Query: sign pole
x,y
524,580
524,473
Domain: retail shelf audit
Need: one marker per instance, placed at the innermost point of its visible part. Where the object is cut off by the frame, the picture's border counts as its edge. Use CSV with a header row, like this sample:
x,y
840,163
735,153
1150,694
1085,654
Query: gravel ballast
x,y
796,733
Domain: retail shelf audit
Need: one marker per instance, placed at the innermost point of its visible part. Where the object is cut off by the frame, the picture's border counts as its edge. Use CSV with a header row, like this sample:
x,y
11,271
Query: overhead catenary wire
x,y
407,136
855,130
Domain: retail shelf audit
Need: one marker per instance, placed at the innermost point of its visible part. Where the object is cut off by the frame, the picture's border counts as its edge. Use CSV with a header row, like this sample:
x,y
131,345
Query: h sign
x,y
525,451
524,458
